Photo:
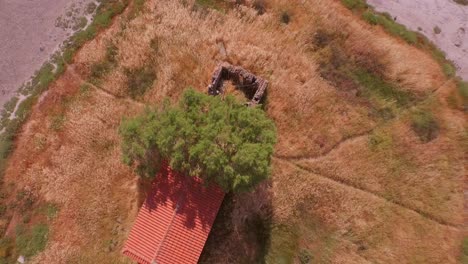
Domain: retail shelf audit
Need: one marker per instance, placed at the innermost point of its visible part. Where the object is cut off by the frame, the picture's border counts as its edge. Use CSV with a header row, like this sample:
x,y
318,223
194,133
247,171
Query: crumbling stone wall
x,y
242,78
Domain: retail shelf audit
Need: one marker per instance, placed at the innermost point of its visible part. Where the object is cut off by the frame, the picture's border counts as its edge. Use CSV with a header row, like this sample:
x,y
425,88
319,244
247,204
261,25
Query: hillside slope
x,y
369,162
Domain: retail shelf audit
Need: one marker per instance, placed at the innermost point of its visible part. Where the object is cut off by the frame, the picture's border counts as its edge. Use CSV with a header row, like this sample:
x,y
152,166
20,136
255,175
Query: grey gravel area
x,y
29,35
442,21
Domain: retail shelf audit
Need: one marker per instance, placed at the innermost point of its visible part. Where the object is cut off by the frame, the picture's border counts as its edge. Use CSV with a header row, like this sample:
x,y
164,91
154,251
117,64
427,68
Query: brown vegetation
x,y
353,180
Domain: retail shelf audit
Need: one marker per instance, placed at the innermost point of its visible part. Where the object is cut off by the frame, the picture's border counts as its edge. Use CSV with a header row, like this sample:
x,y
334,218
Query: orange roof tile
x,y
174,221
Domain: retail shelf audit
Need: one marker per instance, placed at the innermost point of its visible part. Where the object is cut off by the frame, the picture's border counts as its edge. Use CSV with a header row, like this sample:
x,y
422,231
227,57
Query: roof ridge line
x,y
171,223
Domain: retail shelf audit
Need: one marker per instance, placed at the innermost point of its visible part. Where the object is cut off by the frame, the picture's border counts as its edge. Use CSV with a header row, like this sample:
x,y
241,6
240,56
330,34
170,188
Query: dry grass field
x,y
369,165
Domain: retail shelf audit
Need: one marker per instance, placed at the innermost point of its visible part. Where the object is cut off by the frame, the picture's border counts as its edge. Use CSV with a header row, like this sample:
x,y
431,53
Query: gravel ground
x,y
28,37
443,21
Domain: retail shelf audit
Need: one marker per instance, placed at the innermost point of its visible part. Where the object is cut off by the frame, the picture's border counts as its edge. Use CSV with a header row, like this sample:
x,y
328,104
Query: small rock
x,y
41,48
21,259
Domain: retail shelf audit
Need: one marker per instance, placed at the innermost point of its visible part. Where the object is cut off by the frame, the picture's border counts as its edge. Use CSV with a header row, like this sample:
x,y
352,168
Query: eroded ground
x,y
369,163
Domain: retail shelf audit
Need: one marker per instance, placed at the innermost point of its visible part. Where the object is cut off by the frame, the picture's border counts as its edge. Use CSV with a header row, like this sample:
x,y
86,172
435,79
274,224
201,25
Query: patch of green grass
x,y
463,89
30,242
464,251
355,4
390,26
424,124
218,5
380,140
139,80
449,70
375,86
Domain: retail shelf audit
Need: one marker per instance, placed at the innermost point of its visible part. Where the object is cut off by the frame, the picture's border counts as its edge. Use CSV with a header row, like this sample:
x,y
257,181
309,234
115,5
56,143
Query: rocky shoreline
x,y
442,21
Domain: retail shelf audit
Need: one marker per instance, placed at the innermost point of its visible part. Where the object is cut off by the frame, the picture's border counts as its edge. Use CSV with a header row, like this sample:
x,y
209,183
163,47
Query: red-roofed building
x,y
174,221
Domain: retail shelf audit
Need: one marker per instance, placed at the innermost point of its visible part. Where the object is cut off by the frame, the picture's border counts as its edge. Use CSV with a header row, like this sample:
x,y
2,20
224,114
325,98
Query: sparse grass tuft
x,y
57,122
375,86
139,80
424,124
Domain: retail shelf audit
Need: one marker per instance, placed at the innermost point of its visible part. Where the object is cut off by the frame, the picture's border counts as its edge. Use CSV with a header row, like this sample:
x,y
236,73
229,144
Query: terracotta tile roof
x,y
174,221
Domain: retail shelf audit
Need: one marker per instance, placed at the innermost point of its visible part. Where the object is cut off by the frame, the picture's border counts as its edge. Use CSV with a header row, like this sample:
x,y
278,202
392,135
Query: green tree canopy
x,y
221,141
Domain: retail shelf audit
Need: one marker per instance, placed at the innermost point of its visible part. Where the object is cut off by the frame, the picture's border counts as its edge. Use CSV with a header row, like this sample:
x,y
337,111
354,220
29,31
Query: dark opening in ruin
x,y
251,85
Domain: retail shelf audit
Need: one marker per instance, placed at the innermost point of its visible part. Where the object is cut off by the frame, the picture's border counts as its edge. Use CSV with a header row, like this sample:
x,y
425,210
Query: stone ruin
x,y
253,86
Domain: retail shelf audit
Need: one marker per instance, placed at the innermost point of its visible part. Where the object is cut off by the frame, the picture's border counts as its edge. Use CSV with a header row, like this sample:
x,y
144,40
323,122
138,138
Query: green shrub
x,y
139,80
424,124
220,141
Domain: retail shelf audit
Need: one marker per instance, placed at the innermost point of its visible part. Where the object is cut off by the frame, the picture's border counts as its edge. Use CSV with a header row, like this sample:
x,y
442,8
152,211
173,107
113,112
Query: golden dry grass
x,y
345,201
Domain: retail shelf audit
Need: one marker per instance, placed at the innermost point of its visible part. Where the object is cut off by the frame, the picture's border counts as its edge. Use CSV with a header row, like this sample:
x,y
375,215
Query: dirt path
x,y
442,21
374,194
28,37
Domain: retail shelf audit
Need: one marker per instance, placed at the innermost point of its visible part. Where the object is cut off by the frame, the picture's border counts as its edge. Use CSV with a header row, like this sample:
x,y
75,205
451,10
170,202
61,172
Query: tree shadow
x,y
190,200
241,231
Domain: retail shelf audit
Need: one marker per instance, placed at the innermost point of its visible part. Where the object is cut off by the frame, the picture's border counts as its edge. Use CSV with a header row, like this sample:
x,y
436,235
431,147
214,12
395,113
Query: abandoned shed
x,y
174,221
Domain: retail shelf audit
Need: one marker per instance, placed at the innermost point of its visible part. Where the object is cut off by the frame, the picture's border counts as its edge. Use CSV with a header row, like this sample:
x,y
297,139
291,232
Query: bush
x,y
221,141
424,124
285,17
